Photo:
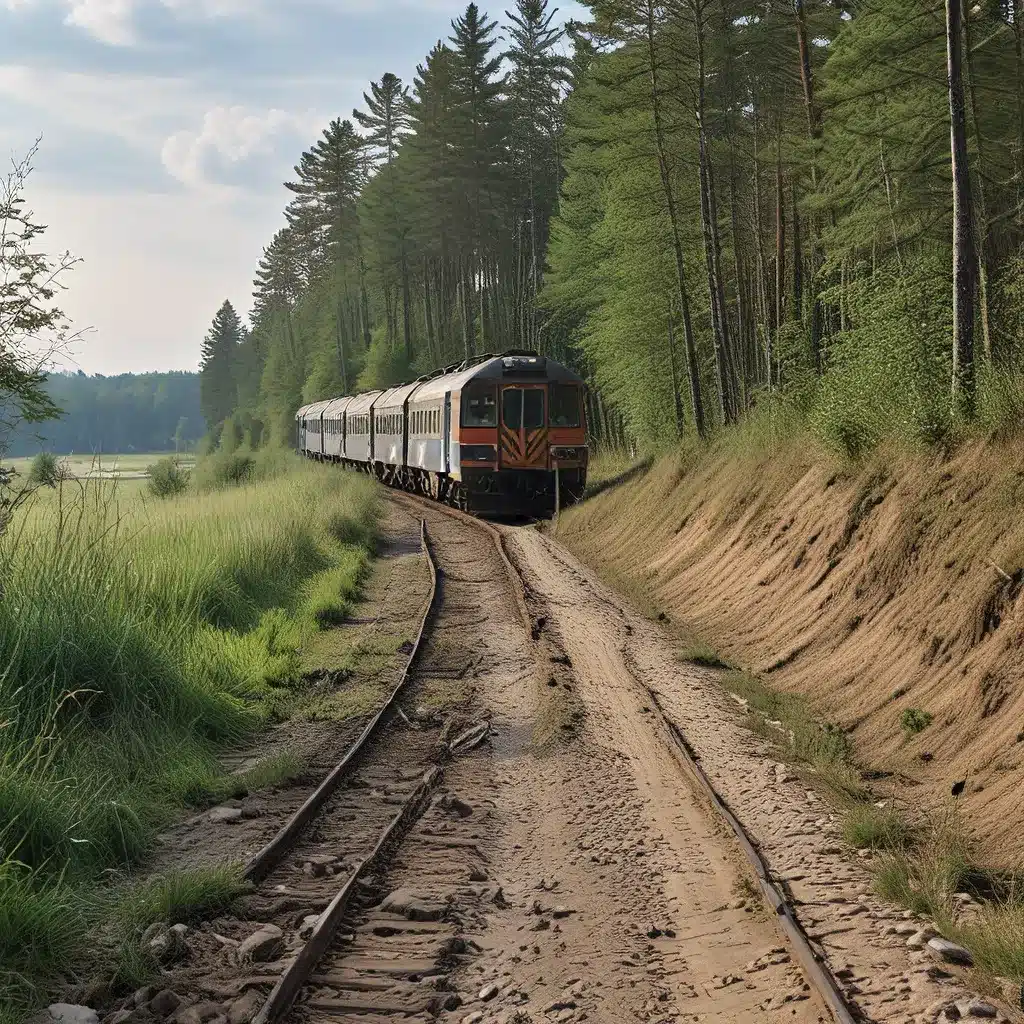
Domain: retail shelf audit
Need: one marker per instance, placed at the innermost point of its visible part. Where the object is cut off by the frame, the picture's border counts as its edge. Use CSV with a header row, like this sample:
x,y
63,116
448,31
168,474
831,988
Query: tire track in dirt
x,y
612,894
864,941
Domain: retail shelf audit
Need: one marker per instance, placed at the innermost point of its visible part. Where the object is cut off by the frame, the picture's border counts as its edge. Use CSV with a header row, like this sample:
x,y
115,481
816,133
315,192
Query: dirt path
x,y
565,870
612,894
617,653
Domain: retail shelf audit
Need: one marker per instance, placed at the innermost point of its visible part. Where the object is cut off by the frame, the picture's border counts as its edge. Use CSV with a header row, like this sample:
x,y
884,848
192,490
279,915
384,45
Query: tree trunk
x,y
428,316
364,302
406,309
692,368
780,238
712,246
340,342
798,261
814,132
964,262
762,262
981,219
1018,46
677,402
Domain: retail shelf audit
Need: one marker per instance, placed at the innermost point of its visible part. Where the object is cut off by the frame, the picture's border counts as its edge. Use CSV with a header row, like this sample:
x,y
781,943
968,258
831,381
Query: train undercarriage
x,y
512,492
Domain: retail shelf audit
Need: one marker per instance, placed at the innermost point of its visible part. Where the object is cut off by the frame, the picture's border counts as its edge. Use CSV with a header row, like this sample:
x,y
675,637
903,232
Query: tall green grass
x,y
137,639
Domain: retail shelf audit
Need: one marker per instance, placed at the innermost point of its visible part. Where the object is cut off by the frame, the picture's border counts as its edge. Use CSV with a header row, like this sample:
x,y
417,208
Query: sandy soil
x,y
565,870
613,650
620,897
874,590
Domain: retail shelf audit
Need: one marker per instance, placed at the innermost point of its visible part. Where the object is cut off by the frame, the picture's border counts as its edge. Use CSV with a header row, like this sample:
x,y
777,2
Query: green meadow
x,y
139,639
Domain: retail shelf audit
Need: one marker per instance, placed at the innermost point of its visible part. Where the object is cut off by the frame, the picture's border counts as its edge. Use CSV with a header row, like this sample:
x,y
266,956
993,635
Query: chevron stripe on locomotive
x,y
498,434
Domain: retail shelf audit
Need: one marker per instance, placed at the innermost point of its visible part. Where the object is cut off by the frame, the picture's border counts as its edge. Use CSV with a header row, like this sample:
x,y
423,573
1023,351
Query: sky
x,y
166,128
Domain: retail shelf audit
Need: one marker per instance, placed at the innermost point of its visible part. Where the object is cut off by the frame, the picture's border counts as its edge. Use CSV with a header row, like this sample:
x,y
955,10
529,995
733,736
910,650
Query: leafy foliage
x,y
708,207
168,478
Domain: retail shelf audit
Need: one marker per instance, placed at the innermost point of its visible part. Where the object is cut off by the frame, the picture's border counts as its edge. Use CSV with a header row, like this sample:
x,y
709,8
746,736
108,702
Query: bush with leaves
x,y
47,470
32,329
168,478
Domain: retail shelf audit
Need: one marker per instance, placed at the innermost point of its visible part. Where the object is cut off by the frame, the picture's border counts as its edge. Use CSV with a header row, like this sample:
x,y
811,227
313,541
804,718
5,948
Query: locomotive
x,y
499,434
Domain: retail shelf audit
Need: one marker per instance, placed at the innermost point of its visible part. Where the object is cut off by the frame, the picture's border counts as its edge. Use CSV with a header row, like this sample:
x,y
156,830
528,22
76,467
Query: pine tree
x,y
481,127
217,387
536,84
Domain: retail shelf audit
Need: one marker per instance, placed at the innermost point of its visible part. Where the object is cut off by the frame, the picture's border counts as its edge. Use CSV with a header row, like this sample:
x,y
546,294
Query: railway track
x,y
813,964
433,875
323,869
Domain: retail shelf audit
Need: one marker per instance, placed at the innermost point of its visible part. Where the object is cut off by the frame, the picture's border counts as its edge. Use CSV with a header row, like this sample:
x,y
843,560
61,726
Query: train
x,y
502,434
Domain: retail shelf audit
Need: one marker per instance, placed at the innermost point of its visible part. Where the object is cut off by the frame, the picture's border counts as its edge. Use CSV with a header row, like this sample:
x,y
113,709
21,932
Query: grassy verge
x,y
138,639
924,863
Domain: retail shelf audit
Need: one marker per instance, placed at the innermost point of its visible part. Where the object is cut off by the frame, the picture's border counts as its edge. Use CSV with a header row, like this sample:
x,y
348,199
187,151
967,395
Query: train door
x,y
446,435
524,433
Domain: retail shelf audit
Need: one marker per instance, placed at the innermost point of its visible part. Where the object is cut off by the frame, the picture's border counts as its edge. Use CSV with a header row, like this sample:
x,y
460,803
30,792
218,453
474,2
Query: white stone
x,y
67,1013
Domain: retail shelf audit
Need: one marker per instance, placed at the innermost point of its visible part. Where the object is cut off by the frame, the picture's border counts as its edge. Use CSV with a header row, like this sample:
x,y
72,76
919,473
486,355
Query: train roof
x,y
514,365
313,410
364,402
397,396
511,365
337,406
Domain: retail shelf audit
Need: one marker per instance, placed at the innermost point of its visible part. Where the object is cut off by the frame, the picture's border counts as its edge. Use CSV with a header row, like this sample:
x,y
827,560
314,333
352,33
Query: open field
x,y
87,467
138,640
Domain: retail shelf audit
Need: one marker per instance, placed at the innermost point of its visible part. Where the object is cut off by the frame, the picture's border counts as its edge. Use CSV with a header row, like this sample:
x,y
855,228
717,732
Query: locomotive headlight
x,y
478,453
563,454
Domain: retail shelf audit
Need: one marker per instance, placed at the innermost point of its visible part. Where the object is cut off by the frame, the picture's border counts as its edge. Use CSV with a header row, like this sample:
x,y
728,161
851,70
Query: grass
x,y
102,466
808,739
608,464
920,865
138,639
179,897
267,773
914,720
869,827
700,653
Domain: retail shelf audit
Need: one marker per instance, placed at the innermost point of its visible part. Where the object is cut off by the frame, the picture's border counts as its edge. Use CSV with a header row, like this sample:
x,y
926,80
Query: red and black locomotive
x,y
500,434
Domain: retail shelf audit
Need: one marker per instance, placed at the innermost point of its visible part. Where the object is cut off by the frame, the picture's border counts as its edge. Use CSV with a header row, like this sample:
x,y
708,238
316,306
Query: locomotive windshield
x,y
565,405
522,408
479,409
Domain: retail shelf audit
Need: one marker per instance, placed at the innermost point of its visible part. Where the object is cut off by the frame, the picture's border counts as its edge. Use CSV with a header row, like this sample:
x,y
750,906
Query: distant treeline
x,y
146,412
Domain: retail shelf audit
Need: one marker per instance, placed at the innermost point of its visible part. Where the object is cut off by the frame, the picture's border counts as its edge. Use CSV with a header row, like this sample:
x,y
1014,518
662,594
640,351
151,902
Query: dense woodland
x,y
149,412
709,207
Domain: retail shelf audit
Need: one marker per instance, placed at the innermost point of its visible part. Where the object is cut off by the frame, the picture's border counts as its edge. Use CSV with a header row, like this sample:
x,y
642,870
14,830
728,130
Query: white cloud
x,y
228,137
112,21
106,20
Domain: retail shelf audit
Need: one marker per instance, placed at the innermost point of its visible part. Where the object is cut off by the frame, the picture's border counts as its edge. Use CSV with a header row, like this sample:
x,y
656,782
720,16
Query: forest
x,y
149,412
716,210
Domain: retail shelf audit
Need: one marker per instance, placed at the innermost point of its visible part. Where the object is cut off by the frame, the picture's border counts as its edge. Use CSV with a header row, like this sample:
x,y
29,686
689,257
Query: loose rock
x,y
412,907
978,1008
164,1003
950,952
243,1010
68,1013
263,945
488,992
223,815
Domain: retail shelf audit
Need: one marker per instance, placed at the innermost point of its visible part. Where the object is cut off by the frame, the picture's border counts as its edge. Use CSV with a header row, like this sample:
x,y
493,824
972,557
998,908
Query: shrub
x,y
167,478
914,720
242,466
46,470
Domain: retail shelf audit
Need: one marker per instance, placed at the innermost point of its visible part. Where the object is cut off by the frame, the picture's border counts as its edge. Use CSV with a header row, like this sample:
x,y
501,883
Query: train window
x,y
479,409
522,408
